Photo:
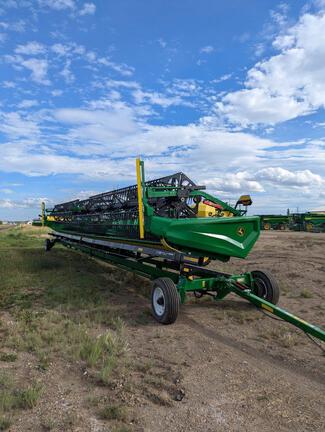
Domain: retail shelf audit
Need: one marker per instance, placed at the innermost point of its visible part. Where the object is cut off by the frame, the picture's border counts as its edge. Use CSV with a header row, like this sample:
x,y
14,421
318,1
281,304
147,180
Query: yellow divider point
x,y
140,203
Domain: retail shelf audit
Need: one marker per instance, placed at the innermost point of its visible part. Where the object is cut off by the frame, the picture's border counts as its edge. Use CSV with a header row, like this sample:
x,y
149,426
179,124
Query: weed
x,y
7,400
43,361
262,398
113,412
107,369
8,357
12,397
27,398
69,420
122,429
305,293
5,423
95,351
93,401
284,337
47,424
144,367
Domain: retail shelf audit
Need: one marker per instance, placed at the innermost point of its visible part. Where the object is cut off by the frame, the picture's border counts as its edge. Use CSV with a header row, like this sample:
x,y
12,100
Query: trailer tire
x,y
164,301
265,286
48,245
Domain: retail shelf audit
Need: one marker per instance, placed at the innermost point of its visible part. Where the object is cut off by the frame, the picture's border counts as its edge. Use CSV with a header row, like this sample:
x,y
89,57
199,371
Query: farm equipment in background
x,y
168,230
310,221
275,222
37,222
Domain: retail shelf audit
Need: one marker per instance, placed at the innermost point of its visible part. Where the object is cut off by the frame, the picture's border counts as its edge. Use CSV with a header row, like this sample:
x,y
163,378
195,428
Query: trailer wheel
x,y
265,286
48,245
164,301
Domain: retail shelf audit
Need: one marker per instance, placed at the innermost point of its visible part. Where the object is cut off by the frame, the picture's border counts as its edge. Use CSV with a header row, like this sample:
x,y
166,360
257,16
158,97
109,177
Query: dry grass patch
x,y
305,293
282,336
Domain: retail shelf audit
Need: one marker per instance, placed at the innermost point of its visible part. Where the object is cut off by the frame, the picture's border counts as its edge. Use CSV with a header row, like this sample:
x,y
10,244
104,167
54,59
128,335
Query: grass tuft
x,y
305,293
27,398
8,357
12,398
5,423
113,412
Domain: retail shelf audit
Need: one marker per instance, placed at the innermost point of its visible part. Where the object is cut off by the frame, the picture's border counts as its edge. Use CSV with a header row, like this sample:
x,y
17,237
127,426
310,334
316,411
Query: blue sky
x,y
232,93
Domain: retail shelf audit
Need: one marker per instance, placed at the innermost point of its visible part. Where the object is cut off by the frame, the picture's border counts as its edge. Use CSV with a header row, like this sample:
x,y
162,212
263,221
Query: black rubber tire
x,y
265,286
170,298
48,245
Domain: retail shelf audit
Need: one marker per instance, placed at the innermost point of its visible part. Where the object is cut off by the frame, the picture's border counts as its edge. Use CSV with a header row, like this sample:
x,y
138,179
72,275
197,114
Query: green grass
x,y
113,412
27,398
22,236
13,396
59,304
5,423
50,333
8,357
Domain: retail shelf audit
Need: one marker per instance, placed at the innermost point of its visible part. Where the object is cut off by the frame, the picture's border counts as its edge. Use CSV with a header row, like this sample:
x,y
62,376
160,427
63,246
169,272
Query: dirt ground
x,y
221,367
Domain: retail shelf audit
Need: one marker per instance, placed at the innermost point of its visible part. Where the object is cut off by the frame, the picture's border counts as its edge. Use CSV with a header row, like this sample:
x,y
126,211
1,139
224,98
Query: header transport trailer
x,y
168,230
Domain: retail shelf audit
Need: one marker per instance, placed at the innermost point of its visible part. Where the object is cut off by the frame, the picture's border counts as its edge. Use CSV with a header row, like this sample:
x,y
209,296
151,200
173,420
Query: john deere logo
x,y
241,231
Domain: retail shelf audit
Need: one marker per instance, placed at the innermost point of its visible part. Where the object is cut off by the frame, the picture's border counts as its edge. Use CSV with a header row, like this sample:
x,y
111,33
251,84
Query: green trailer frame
x,y
175,276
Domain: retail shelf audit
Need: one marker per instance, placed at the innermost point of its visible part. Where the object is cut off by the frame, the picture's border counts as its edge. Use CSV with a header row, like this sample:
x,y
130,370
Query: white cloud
x,y
156,98
286,85
236,182
25,203
208,49
123,84
16,127
66,73
38,67
60,49
224,77
121,68
229,163
58,4
88,9
74,51
8,84
281,176
162,42
18,26
39,70
31,48
27,103
56,93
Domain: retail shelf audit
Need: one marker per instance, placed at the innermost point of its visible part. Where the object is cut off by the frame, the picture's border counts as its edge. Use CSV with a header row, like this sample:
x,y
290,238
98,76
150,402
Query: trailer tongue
x,y
156,229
